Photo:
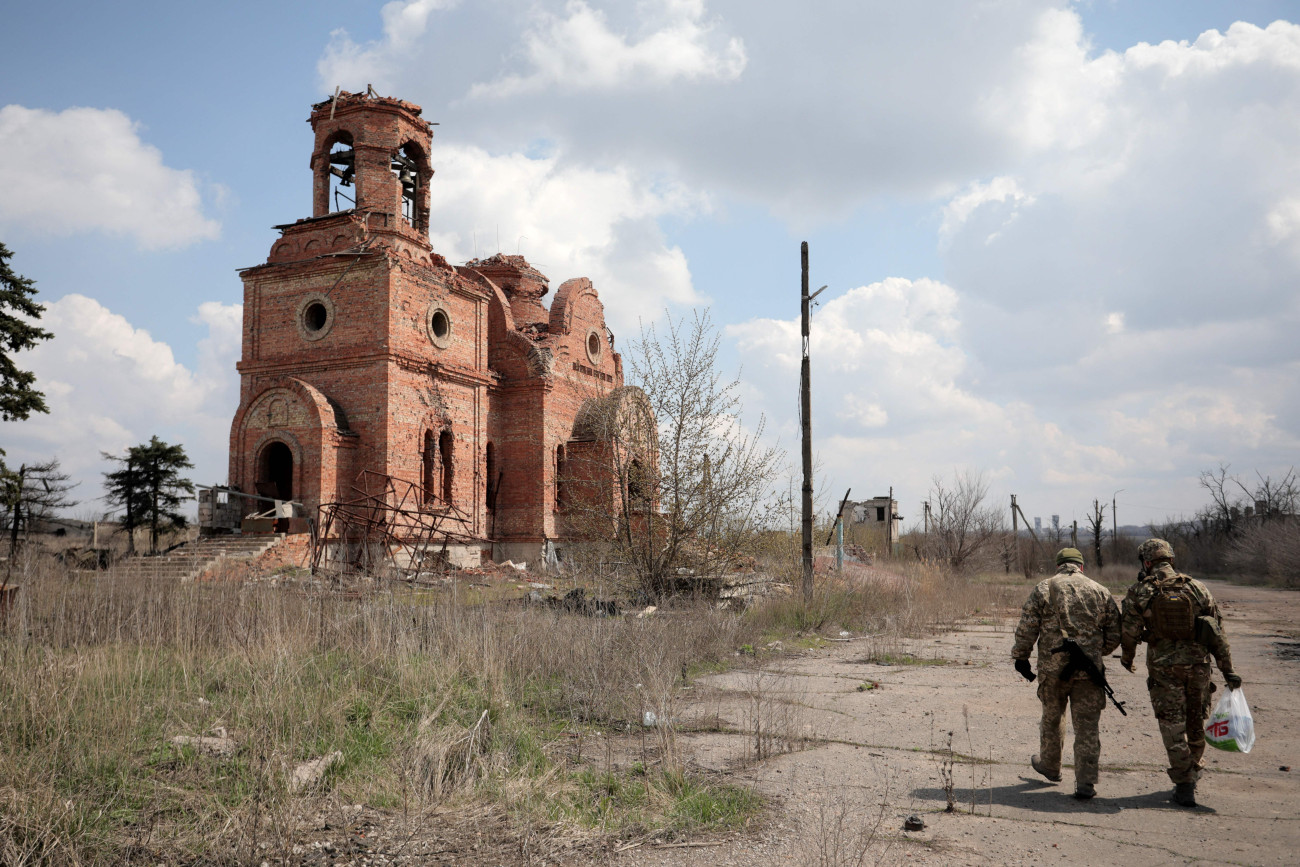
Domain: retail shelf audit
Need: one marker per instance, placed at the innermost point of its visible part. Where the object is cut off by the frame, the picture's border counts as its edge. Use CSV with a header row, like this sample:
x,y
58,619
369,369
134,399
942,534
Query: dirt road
x,y
883,758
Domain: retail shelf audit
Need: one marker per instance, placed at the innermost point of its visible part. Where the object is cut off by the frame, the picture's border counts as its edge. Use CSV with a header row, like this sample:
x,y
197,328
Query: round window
x,y
437,322
315,316
593,346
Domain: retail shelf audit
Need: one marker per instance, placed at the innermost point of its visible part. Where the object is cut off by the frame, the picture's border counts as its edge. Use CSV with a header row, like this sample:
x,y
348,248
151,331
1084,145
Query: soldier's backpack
x,y
1173,612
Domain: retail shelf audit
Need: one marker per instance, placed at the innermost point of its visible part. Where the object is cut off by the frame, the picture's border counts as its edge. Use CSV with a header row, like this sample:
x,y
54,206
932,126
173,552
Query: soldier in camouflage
x,y
1067,605
1177,618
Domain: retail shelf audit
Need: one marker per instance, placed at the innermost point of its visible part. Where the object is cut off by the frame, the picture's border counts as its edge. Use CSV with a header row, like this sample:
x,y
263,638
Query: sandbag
x,y
1231,727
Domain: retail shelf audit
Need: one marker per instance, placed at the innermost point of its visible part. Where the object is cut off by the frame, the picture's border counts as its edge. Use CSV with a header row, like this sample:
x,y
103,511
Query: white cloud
x,y
1059,98
1119,229
896,398
110,385
568,221
86,169
1000,191
351,66
579,51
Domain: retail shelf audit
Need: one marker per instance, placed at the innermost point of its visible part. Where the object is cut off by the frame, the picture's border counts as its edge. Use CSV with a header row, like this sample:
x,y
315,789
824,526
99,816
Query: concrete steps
x,y
194,558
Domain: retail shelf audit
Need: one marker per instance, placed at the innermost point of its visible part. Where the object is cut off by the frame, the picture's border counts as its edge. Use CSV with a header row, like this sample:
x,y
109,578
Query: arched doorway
x,y
275,471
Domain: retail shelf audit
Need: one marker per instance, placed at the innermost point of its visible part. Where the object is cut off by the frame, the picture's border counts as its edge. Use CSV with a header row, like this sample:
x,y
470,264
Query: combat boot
x,y
1084,791
1033,761
1185,794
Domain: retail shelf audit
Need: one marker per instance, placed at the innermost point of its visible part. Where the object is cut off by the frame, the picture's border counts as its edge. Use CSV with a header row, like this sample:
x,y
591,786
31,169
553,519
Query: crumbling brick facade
x,y
363,349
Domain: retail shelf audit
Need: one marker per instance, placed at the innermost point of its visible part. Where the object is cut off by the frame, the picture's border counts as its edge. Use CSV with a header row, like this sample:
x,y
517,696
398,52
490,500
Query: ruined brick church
x,y
365,353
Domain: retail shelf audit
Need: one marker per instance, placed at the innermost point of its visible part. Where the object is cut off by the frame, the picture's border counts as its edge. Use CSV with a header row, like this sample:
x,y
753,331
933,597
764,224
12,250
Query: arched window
x,y
405,163
429,468
636,483
491,488
342,174
444,457
561,469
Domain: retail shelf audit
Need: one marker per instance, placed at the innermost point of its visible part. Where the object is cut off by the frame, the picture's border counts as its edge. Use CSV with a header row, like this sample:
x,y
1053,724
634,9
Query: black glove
x,y
1022,666
1232,680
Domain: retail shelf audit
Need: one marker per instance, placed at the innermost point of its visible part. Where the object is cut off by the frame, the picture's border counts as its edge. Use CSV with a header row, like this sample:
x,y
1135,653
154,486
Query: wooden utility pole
x,y
1114,524
1015,531
805,418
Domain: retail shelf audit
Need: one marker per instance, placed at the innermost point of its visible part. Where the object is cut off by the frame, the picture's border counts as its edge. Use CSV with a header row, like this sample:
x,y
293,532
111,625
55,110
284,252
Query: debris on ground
x,y
311,772
216,743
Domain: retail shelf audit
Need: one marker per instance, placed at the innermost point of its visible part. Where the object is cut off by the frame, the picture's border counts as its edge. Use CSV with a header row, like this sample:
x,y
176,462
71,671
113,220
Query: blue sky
x,y
1055,255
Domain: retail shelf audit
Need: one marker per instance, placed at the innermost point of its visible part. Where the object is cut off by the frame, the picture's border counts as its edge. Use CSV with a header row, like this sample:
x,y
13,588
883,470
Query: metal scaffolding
x,y
389,528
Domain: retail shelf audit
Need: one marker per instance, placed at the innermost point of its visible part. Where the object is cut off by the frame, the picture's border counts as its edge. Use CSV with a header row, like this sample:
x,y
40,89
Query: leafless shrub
x,y
964,530
691,485
774,713
846,834
1268,553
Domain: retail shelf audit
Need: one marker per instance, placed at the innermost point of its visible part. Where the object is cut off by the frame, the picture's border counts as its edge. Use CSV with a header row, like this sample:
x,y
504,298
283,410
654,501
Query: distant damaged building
x,y
879,513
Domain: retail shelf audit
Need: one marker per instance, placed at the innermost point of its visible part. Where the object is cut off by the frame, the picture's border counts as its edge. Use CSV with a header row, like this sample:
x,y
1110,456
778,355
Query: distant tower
x,y
344,319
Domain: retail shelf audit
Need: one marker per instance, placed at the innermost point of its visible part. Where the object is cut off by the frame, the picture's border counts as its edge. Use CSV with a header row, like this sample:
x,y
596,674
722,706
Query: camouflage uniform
x,y
1178,672
1068,605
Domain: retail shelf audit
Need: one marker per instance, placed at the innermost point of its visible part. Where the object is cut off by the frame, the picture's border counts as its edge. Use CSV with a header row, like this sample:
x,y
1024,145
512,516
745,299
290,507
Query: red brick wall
x,y
361,391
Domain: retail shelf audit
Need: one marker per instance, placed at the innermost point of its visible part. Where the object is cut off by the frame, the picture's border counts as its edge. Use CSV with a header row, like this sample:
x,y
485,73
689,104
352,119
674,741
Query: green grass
x,y
636,802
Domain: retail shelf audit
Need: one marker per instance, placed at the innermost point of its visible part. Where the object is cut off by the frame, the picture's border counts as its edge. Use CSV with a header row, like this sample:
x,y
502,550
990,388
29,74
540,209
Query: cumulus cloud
x,y
110,385
577,50
86,169
569,221
898,397
805,115
1119,230
351,65
893,400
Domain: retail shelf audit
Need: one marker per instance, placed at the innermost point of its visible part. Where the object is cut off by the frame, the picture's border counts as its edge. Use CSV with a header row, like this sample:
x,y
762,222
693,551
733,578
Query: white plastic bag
x,y
1231,726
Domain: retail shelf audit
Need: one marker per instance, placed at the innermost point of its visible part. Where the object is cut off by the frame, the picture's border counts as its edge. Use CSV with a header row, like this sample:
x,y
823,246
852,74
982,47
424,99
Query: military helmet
x,y
1069,555
1155,549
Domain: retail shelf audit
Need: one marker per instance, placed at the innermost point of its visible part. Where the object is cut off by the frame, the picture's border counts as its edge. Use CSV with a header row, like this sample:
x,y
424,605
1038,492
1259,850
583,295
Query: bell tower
x,y
372,157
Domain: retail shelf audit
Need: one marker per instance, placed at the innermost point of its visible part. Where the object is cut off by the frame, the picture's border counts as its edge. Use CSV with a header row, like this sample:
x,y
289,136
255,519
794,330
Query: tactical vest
x,y
1172,612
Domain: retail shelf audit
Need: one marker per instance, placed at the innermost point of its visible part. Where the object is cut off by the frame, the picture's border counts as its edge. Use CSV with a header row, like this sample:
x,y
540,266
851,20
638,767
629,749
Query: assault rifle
x,y
1080,661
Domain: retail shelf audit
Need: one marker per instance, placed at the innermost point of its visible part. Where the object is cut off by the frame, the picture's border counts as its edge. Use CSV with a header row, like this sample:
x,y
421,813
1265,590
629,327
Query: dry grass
x,y
428,701
913,598
432,704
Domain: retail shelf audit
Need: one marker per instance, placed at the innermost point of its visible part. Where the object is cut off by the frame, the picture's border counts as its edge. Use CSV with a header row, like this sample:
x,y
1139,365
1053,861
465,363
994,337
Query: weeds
x,y
946,761
844,834
431,703
428,703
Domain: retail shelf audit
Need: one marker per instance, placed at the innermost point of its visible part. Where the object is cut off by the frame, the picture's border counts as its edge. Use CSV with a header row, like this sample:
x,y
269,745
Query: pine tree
x,y
149,488
18,399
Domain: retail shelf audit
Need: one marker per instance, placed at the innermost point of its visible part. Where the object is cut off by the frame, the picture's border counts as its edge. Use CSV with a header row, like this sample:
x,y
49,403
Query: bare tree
x,y
1096,524
1217,483
691,485
962,525
1272,499
32,492
1268,552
